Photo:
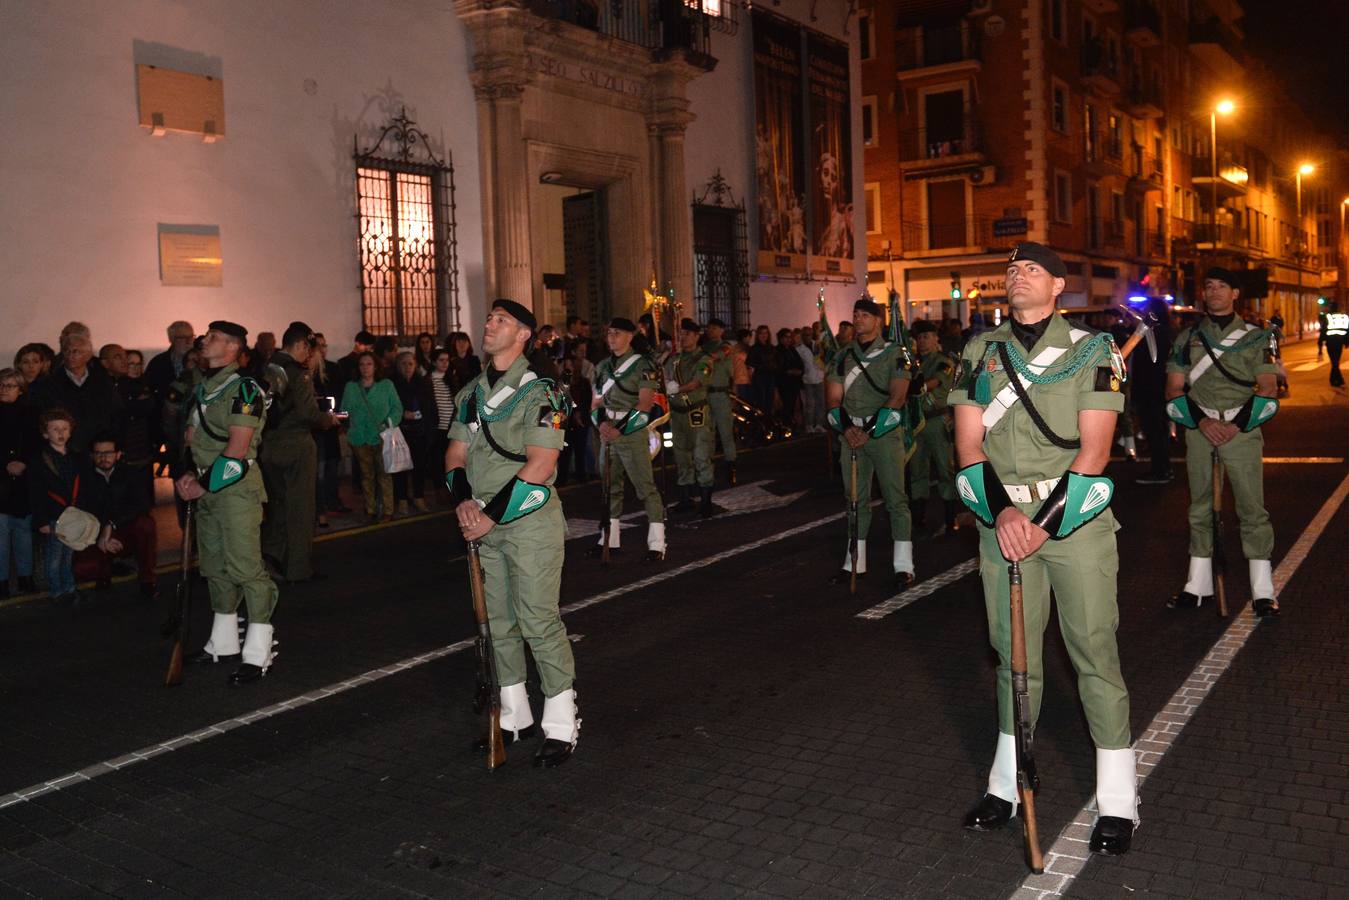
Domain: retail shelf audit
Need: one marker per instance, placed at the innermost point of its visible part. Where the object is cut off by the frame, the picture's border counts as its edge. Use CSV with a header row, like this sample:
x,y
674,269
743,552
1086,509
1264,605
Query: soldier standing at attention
x,y
289,457
624,406
866,389
226,414
505,440
721,352
1035,408
1222,383
933,450
687,373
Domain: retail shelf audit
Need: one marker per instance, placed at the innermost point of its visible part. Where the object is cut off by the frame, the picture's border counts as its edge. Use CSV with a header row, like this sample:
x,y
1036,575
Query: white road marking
x,y
1068,855
920,590
196,737
736,501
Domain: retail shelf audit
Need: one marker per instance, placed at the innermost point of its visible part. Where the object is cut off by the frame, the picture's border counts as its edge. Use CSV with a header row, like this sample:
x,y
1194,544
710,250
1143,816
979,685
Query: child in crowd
x,y
55,484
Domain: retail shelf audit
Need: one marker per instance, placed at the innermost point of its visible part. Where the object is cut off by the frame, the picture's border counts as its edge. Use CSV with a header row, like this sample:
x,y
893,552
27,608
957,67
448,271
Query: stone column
x,y
676,229
514,270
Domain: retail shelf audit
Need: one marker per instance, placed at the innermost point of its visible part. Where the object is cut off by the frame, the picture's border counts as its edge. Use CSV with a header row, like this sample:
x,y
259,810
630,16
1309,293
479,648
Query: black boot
x,y
1186,600
989,813
1265,608
706,510
1112,836
552,753
685,502
247,673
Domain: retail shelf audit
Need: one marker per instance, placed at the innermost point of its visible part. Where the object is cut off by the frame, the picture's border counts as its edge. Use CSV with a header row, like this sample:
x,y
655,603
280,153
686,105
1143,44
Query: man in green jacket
x,y
225,421
687,375
719,351
289,457
931,467
504,445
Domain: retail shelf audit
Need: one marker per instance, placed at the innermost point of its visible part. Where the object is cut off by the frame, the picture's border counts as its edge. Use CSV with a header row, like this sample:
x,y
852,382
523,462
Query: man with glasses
x,y
165,368
86,392
116,497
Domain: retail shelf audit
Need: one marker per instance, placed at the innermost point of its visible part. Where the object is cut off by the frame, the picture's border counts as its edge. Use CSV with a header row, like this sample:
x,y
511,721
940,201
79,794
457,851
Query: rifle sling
x,y
1217,364
871,382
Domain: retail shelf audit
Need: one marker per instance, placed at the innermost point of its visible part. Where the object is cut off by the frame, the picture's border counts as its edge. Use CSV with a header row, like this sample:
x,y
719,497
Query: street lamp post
x,y
1225,107
1304,169
1343,259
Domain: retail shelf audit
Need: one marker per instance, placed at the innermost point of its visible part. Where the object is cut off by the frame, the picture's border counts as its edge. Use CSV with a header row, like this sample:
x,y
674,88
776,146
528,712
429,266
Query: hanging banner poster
x,y
779,156
831,184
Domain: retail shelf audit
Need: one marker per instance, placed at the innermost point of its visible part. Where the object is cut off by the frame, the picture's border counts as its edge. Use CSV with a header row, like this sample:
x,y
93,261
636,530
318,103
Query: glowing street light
x,y
1226,107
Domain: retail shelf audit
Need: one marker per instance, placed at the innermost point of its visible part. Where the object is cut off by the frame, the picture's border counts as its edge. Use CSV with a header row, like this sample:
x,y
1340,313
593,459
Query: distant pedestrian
x,y
372,404
54,485
19,440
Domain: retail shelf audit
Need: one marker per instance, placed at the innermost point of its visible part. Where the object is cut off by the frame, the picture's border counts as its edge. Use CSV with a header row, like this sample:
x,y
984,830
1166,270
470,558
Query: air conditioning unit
x,y
984,175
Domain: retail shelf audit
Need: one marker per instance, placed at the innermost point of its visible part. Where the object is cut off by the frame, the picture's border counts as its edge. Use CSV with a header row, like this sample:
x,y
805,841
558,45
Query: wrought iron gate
x,y
720,256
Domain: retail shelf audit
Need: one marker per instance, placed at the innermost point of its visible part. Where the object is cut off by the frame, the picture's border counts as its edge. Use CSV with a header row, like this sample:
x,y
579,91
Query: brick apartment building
x,y
1088,125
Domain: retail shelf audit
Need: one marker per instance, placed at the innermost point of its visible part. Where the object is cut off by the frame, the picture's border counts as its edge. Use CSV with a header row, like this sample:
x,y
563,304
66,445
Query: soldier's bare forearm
x,y
240,438
1096,428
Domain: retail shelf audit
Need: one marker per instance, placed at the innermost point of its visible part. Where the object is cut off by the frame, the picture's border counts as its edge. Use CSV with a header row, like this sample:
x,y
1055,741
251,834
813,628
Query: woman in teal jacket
x,y
372,404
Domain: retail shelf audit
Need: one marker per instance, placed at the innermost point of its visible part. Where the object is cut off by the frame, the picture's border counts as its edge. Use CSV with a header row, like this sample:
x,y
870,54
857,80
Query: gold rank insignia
x,y
1114,382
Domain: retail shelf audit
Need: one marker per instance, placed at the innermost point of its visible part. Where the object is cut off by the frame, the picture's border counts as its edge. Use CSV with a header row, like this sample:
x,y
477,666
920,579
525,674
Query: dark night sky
x,y
1306,44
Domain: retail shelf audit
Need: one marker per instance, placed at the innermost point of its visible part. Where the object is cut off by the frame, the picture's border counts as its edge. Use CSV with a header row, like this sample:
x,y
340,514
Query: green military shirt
x,y
1079,363
225,398
723,367
619,380
686,366
521,410
294,411
866,373
1243,350
941,367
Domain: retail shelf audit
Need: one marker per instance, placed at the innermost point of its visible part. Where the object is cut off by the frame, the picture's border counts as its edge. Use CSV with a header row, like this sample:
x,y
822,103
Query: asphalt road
x,y
745,732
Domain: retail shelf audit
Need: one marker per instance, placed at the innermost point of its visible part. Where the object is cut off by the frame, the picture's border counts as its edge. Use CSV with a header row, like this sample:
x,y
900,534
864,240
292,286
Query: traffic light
x,y
955,286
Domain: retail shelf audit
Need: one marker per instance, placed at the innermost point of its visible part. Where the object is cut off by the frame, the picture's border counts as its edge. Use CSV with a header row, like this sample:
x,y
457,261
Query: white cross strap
x,y
1204,364
1007,397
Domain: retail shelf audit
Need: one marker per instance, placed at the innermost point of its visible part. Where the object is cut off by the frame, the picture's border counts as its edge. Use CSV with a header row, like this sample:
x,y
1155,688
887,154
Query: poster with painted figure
x,y
779,158
831,157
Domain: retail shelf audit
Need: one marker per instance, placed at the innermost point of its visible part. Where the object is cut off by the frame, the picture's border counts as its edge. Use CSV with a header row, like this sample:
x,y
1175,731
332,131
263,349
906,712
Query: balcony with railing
x,y
662,26
938,49
1145,172
1223,236
1144,97
1142,23
1149,243
941,146
1217,45
974,233
1106,233
1100,67
1232,181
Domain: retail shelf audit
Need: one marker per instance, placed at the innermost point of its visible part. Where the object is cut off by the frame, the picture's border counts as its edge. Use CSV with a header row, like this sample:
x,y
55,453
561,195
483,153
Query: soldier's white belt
x,y
1026,493
1222,415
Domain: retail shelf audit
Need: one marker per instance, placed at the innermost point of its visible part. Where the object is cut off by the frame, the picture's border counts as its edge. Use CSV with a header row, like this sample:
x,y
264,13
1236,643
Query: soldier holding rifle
x,y
1035,406
504,444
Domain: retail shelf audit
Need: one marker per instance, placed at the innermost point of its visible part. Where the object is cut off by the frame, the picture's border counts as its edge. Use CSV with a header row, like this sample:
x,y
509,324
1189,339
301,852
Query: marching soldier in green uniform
x,y
626,382
289,457
719,350
504,443
933,449
1035,409
225,421
687,374
866,389
1222,383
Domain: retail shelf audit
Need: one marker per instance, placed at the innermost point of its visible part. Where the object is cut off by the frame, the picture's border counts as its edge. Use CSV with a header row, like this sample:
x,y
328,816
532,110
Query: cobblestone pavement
x,y
745,732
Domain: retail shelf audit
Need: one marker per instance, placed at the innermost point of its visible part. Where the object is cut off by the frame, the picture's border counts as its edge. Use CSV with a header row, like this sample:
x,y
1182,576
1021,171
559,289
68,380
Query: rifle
x,y
487,670
828,340
183,594
605,522
1027,779
1219,557
852,526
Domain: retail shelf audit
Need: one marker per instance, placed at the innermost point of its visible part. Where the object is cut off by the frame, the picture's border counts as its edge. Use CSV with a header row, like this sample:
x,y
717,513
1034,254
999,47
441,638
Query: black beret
x,y
517,311
1030,250
715,321
689,325
231,328
923,326
1218,273
867,305
621,324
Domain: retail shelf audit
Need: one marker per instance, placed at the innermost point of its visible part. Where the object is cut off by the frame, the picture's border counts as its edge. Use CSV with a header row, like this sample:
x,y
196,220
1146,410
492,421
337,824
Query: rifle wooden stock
x,y
1219,554
1027,780
852,526
183,594
496,747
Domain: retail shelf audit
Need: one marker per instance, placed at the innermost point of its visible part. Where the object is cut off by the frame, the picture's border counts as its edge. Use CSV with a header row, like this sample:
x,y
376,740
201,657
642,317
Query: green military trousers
x,y
932,450
692,447
522,577
884,457
631,456
720,404
289,471
231,555
1081,569
1241,458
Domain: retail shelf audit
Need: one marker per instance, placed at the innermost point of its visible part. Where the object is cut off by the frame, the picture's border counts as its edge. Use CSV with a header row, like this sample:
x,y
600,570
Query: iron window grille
x,y
720,255
405,214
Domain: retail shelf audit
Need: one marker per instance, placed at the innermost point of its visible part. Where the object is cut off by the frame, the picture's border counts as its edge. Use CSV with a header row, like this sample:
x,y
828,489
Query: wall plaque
x,y
189,256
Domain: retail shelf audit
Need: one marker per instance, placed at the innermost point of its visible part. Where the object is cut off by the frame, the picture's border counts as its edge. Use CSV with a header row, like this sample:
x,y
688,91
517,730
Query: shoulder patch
x,y
551,417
